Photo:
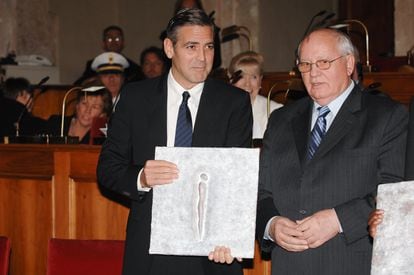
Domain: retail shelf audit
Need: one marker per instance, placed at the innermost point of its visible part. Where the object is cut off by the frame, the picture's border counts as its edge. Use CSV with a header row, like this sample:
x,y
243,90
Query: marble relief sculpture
x,y
212,203
393,251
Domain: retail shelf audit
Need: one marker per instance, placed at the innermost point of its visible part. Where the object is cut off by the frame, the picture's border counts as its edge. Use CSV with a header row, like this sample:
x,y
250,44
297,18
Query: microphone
x,y
236,76
322,12
322,23
43,81
30,100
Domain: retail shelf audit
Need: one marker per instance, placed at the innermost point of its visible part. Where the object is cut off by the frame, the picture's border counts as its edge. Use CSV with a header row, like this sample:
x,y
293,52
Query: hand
x,y
319,228
375,218
222,254
157,172
286,234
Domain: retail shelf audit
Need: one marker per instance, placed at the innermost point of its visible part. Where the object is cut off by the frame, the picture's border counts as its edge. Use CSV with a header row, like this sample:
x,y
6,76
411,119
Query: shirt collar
x,y
336,104
195,92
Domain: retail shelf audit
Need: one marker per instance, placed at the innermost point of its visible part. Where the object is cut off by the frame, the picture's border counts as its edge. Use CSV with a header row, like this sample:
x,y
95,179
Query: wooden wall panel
x,y
26,218
95,216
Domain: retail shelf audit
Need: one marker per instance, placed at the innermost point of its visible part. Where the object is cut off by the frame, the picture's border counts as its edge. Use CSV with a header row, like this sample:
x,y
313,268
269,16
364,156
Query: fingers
x,y
375,218
319,228
377,214
221,254
292,244
287,235
156,172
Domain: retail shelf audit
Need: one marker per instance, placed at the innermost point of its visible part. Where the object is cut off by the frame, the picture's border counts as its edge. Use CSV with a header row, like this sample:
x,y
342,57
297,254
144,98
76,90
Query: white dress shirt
x,y
174,99
259,108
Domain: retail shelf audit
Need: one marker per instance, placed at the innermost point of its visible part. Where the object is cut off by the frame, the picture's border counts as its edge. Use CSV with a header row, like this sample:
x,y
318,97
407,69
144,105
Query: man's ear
x,y
350,64
168,48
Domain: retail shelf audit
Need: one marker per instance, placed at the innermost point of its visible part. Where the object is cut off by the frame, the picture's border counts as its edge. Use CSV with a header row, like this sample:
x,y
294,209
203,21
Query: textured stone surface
x,y
394,244
212,203
403,26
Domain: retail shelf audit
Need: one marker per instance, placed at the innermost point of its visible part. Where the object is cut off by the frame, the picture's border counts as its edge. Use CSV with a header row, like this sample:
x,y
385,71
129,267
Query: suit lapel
x,y
207,106
341,125
157,104
301,129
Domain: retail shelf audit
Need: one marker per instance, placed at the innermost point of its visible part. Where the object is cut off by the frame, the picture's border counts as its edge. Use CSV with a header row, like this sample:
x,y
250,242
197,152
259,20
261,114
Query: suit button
x,y
303,212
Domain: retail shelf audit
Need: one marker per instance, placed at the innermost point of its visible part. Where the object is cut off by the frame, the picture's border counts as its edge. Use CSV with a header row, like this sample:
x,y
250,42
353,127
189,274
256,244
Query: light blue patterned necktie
x,y
184,129
318,131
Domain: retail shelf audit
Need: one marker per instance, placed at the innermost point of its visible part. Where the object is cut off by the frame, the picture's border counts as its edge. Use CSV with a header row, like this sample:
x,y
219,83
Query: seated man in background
x,y
15,107
89,106
113,40
153,62
110,68
246,72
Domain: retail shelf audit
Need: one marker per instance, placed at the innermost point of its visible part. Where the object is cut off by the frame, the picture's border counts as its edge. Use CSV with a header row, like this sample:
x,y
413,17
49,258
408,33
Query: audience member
x,y
110,68
89,105
15,109
113,40
321,162
213,114
246,72
153,62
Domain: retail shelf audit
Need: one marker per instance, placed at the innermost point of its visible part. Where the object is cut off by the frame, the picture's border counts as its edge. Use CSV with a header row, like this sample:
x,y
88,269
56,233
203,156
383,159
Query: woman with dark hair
x,y
89,106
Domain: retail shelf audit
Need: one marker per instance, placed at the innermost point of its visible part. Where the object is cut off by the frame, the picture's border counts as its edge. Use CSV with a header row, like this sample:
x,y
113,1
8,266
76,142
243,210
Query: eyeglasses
x,y
113,39
322,64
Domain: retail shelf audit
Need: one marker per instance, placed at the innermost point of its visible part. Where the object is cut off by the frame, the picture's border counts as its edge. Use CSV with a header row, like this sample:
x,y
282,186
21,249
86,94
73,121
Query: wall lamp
x,y
348,23
235,32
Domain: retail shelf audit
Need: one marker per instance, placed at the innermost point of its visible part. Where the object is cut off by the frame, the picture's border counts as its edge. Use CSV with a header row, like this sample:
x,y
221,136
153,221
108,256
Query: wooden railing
x,y
399,85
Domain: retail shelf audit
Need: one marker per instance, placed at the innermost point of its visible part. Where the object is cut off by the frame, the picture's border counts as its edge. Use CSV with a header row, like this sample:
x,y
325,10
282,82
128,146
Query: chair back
x,y
96,135
4,255
85,257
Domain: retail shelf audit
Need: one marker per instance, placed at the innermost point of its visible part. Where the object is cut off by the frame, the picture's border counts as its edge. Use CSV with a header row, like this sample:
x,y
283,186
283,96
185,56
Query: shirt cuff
x,y
339,223
139,186
266,234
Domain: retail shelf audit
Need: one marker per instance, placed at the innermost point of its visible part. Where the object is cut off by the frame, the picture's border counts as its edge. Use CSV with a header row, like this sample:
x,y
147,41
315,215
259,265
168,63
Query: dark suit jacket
x,y
10,112
224,119
364,146
409,163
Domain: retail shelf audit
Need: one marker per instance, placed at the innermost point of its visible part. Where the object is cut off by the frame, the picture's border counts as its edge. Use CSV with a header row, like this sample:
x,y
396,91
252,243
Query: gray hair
x,y
344,43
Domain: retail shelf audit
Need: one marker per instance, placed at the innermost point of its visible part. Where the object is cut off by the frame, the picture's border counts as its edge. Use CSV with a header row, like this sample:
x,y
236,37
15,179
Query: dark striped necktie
x,y
318,131
184,130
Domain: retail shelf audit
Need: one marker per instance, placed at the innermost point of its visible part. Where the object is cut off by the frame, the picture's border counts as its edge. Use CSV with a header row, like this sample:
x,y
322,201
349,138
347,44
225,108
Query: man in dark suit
x,y
113,40
16,101
321,162
147,115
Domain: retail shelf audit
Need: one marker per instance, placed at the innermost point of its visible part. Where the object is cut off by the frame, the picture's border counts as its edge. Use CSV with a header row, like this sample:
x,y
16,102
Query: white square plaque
x,y
213,202
394,242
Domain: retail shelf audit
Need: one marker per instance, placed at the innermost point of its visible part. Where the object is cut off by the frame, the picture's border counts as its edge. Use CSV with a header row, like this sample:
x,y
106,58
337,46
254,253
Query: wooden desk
x,y
50,191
